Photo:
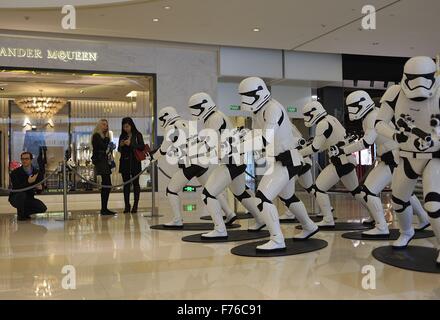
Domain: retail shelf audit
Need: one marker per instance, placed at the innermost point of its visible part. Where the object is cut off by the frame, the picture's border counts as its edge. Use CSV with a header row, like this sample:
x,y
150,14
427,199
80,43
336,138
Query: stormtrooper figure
x,y
175,145
285,163
231,174
329,133
360,106
412,104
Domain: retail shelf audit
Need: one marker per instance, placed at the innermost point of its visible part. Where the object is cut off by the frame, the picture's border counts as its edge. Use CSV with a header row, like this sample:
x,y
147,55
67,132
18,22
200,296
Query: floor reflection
x,y
122,258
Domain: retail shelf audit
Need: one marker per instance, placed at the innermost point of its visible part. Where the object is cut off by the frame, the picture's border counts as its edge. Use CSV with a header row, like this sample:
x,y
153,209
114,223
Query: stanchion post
x,y
66,214
153,191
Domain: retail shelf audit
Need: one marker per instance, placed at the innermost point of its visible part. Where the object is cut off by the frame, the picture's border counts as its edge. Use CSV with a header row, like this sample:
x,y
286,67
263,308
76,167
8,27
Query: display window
x,y
51,114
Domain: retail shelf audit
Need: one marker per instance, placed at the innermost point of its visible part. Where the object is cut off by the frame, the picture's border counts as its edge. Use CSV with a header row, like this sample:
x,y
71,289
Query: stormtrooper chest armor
x,y
332,130
420,112
284,138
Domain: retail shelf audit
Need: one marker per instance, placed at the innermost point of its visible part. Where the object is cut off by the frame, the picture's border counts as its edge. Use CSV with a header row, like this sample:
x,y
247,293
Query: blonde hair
x,y
98,129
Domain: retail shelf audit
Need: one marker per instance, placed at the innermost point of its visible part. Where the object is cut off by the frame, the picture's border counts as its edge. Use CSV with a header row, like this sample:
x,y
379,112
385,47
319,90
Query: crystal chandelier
x,y
40,107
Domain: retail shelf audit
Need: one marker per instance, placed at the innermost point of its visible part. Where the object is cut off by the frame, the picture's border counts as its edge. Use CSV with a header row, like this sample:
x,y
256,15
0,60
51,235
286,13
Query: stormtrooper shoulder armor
x,y
323,128
391,95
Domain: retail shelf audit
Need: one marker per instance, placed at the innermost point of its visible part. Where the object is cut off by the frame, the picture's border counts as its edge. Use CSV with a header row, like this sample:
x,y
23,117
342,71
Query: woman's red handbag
x,y
142,154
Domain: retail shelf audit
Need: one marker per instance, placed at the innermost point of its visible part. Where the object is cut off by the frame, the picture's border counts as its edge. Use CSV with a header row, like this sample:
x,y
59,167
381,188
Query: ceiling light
x,y
132,94
256,29
167,7
40,107
155,20
314,97
2,89
81,91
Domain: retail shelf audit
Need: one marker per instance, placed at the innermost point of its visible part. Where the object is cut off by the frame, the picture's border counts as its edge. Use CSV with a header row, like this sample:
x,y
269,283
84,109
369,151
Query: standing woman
x,y
129,166
101,159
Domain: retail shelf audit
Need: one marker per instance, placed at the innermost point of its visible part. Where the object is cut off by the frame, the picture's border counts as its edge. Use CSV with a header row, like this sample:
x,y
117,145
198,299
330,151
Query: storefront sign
x,y
48,54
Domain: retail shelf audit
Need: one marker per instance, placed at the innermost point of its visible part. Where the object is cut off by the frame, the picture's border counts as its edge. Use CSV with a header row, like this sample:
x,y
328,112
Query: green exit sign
x,y
234,107
292,109
189,207
189,189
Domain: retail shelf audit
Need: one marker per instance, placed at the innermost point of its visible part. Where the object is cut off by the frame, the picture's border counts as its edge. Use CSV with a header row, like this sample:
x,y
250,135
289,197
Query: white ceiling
x,y
71,86
404,27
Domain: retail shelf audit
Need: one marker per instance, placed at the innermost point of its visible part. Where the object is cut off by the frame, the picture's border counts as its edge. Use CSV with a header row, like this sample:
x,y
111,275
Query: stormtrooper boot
x,y
230,219
375,209
287,215
276,242
326,208
369,221
309,228
177,222
421,214
219,231
249,204
406,230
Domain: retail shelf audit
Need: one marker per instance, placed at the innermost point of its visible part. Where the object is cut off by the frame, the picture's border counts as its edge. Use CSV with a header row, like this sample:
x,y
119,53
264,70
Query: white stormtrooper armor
x,y
329,133
411,105
176,147
279,149
361,107
231,174
305,176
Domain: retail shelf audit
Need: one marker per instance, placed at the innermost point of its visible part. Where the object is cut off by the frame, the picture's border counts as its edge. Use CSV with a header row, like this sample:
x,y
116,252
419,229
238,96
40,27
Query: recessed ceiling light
x,y
256,29
2,89
81,91
167,7
155,20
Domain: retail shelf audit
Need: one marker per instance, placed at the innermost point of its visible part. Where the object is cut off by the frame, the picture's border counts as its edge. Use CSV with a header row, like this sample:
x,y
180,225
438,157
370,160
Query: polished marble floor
x,y
122,258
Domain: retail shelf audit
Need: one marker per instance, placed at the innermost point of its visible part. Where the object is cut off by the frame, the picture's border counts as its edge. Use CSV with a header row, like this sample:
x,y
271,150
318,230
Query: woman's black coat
x,y
99,155
128,164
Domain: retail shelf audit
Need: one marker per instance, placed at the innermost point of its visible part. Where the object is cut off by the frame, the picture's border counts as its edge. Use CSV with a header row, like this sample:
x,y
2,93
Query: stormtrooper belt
x,y
419,155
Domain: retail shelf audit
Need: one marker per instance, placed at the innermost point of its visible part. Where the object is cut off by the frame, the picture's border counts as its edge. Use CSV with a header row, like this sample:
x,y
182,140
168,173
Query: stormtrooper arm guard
x,y
365,142
322,133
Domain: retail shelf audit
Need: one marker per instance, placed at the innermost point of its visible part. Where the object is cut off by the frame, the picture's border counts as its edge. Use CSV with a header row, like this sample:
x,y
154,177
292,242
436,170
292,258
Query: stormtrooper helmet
x,y
166,116
313,112
358,104
201,105
254,94
419,79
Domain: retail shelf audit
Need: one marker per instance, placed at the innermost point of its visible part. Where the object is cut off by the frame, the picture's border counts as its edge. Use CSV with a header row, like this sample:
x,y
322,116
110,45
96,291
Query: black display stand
x,y
414,258
343,226
234,235
394,235
240,216
192,227
293,247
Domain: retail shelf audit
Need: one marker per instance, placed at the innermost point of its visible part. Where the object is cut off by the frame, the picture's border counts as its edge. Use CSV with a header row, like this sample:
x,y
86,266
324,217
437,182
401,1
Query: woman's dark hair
x,y
130,121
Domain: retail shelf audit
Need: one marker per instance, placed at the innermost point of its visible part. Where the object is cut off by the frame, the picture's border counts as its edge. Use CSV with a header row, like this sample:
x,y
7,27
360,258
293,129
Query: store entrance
x,y
53,113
